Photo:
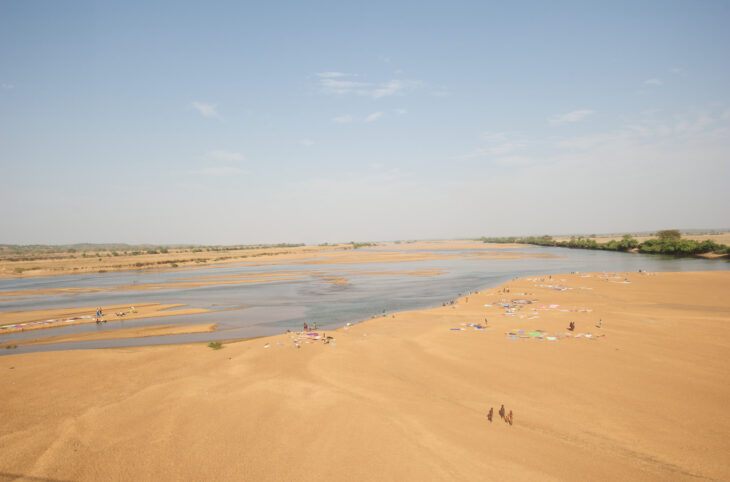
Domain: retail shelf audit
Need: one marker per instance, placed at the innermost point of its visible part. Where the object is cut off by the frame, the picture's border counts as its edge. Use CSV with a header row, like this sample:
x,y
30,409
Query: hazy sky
x,y
247,122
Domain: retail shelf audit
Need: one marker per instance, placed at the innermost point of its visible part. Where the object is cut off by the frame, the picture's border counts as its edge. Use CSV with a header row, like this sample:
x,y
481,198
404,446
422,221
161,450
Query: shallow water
x,y
274,307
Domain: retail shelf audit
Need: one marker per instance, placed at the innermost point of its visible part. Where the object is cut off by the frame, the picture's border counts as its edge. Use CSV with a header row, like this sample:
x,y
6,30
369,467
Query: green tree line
x,y
668,241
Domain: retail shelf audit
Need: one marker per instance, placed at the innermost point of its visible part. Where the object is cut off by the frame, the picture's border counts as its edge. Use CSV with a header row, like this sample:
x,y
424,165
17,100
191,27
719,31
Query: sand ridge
x,y
14,321
137,332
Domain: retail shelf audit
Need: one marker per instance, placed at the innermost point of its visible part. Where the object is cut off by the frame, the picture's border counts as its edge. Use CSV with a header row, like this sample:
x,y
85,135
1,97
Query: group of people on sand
x,y
571,325
100,314
466,299
507,417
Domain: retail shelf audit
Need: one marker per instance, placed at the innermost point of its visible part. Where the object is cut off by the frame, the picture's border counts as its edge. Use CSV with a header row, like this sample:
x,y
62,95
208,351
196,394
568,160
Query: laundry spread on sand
x,y
514,307
542,335
475,326
29,324
554,287
564,310
521,302
300,338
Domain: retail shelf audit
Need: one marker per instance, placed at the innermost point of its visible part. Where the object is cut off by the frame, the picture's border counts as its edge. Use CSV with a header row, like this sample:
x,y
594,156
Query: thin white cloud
x,y
441,92
654,82
400,111
205,109
650,128
516,161
504,148
333,86
219,171
392,87
498,150
373,117
497,144
572,116
330,75
494,136
339,83
227,156
7,86
306,142
343,119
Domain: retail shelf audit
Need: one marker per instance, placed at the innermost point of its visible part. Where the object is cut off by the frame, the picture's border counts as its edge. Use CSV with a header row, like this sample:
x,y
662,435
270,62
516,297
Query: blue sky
x,y
236,122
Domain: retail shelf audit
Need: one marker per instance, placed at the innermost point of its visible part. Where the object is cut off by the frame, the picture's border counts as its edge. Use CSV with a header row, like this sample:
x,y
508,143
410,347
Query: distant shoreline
x,y
668,243
49,261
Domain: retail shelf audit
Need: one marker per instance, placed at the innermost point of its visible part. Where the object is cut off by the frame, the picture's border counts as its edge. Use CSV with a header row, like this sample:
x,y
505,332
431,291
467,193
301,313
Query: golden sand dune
x,y
404,397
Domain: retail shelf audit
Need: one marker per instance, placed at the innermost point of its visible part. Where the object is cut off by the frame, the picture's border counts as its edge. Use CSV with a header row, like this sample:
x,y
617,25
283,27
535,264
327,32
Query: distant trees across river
x,y
668,241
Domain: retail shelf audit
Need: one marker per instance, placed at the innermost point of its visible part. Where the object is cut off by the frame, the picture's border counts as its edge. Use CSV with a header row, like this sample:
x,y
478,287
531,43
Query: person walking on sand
x,y
501,412
490,414
306,327
600,323
509,417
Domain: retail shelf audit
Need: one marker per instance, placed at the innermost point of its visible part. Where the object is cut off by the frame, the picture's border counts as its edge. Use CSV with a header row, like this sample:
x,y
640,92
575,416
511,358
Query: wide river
x,y
274,307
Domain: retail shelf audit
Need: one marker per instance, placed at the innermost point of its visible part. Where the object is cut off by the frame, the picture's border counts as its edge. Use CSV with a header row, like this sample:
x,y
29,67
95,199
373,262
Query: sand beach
x,y
406,396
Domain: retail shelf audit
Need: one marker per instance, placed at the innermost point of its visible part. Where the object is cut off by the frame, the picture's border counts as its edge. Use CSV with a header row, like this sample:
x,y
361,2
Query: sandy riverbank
x,y
139,332
404,397
31,265
14,321
16,266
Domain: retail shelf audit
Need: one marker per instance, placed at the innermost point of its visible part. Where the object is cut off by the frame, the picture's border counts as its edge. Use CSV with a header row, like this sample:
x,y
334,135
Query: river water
x,y
250,310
